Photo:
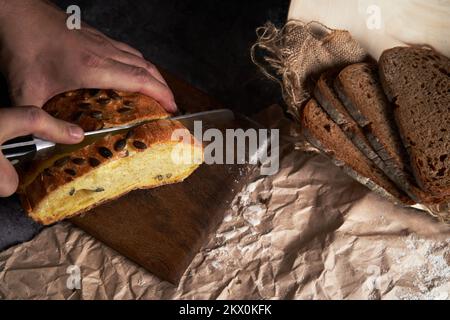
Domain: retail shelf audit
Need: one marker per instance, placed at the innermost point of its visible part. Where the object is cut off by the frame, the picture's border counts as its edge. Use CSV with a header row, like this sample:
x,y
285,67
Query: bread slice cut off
x,y
326,135
417,81
95,109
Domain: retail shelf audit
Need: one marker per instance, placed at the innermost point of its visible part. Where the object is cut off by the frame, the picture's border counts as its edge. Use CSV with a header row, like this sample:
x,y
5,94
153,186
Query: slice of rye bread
x,y
328,99
330,102
359,89
417,81
326,135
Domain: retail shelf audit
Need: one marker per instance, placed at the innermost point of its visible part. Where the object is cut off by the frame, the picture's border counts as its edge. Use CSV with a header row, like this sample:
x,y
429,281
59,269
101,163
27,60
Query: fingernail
x,y
76,132
174,107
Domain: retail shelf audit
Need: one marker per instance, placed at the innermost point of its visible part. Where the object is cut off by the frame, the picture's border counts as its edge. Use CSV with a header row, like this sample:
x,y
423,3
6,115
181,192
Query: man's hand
x,y
41,57
22,121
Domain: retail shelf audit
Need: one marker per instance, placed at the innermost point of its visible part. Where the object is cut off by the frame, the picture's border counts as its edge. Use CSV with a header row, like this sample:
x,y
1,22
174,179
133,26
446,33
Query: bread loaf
x,y
144,157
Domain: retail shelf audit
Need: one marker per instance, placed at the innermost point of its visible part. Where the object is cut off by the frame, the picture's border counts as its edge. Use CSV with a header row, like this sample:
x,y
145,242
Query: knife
x,y
30,147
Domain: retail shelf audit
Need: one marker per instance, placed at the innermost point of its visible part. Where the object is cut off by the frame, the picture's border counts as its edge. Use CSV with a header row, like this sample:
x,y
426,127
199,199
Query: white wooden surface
x,y
381,24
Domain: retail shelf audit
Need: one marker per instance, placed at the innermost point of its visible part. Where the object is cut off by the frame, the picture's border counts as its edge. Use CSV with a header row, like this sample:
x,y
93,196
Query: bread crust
x,y
95,109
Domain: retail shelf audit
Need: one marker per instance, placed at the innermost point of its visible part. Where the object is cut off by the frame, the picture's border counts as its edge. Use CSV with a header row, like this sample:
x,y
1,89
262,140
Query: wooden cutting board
x,y
162,229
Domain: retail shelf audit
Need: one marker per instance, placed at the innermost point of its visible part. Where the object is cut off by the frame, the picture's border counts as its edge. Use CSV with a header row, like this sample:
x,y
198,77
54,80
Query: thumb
x,y
21,121
9,179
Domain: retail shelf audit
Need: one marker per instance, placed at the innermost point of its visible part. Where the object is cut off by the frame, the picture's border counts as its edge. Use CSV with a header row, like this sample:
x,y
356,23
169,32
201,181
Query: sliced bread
x,y
417,81
359,89
326,135
329,100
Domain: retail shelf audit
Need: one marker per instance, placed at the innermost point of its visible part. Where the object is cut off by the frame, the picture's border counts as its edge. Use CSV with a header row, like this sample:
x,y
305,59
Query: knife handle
x,y
18,152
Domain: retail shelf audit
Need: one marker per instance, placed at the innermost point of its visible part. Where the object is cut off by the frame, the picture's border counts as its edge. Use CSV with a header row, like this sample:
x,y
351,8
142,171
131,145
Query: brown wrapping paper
x,y
308,232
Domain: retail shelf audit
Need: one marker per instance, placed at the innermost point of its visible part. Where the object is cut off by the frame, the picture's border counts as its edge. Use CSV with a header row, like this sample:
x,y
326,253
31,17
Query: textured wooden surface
x,y
162,229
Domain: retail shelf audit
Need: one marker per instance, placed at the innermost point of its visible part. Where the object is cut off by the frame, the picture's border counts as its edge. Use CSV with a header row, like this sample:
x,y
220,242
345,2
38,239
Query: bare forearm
x,y
21,24
11,8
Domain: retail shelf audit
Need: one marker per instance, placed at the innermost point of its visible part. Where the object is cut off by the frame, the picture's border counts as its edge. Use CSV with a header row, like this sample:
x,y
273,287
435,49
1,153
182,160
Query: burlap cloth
x,y
297,53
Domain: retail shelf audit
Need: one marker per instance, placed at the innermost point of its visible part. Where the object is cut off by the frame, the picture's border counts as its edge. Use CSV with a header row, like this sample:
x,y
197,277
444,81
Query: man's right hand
x,y
41,57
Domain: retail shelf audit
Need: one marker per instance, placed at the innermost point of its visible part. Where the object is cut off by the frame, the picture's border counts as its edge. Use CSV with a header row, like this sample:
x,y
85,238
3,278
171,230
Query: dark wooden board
x,y
162,229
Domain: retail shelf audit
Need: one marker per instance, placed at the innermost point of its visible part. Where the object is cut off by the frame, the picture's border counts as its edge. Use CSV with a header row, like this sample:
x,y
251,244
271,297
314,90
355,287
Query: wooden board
x,y
162,229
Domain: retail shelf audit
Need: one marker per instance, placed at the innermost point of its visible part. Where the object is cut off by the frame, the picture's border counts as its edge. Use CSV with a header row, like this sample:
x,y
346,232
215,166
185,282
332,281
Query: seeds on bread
x,y
95,109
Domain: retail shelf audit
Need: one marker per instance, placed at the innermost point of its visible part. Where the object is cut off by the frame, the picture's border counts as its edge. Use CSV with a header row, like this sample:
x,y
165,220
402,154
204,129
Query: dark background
x,y
206,43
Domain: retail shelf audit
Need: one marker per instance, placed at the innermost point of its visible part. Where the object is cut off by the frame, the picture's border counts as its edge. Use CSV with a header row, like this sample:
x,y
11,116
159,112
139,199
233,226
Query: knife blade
x,y
33,147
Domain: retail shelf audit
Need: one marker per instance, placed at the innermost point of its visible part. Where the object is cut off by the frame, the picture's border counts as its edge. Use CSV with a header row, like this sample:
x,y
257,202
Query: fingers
x,y
126,60
9,179
121,76
124,47
131,59
125,54
21,121
117,44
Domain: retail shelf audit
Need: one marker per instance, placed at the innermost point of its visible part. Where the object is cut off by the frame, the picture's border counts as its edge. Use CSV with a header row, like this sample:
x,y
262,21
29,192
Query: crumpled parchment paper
x,y
308,232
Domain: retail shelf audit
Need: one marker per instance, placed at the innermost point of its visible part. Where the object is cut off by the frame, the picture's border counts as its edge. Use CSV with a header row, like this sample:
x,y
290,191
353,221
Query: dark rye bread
x,y
323,132
359,89
330,102
327,97
417,81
